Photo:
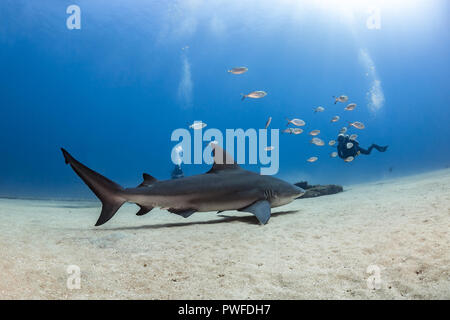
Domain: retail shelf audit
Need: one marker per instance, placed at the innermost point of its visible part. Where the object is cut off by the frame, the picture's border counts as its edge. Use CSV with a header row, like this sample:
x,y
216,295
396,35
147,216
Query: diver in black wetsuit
x,y
344,152
177,173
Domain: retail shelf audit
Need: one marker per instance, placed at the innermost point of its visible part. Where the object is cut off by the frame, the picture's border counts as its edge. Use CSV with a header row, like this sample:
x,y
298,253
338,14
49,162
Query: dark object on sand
x,y
318,190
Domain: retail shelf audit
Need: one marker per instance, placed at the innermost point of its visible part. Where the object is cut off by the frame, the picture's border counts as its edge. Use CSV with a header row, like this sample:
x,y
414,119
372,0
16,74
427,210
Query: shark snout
x,y
297,192
290,192
286,194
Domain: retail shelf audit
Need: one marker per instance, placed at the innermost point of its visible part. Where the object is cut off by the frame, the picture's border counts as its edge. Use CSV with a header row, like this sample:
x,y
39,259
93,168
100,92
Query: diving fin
x,y
261,209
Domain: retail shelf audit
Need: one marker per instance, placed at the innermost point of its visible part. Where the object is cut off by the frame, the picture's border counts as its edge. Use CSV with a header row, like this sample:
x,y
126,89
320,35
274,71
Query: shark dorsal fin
x,y
222,160
148,180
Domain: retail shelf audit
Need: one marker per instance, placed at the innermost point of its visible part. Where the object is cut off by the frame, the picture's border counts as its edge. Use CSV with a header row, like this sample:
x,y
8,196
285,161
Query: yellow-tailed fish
x,y
335,119
349,159
296,122
238,70
350,107
197,125
357,125
340,99
254,95
268,122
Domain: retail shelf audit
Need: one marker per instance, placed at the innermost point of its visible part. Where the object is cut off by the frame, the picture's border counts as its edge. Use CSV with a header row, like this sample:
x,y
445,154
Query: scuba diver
x,y
344,152
177,173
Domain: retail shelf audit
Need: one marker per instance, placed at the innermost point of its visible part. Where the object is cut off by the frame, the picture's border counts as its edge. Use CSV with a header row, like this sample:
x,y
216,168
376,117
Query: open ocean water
x,y
111,81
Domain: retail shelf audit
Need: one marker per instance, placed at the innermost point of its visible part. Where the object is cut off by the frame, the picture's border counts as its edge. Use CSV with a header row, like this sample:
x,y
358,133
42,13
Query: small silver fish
x,y
293,130
332,143
254,95
357,125
353,137
312,159
268,122
349,159
296,122
269,148
197,125
238,70
340,99
333,154
317,141
343,130
314,132
289,130
335,119
349,145
350,107
319,109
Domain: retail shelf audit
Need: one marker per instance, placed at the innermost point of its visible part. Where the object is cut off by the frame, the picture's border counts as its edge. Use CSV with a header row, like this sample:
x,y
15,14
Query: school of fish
x,y
296,122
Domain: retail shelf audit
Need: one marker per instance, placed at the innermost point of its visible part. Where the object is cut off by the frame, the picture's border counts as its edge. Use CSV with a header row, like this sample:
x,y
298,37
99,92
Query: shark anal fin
x,y
261,209
182,212
143,210
148,180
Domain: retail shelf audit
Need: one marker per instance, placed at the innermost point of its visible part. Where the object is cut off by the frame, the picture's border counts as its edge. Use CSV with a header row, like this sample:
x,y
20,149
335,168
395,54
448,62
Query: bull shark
x,y
226,186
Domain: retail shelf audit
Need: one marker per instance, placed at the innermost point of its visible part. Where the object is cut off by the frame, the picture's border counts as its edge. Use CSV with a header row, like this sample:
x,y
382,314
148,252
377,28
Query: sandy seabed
x,y
319,248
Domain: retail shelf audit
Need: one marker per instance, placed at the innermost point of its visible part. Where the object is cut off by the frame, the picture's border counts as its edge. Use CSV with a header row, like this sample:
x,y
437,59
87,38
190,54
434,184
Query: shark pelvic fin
x,y
148,180
182,212
261,209
143,210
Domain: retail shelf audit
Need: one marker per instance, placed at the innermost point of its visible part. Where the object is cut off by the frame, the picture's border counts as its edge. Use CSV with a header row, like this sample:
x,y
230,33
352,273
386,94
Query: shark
x,y
226,186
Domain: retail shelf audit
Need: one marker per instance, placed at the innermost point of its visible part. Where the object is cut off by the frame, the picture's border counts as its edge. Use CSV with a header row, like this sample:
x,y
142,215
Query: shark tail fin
x,y
110,193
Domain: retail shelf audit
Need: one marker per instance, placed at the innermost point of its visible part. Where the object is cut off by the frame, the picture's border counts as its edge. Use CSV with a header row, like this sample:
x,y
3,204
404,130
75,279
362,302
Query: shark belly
x,y
222,202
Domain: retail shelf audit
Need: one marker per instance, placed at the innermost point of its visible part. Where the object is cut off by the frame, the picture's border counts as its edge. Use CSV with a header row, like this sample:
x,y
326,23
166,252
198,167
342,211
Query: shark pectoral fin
x,y
182,212
261,209
143,210
148,180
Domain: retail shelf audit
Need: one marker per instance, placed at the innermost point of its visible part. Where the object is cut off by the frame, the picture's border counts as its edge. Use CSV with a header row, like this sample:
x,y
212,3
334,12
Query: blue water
x,y
113,91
